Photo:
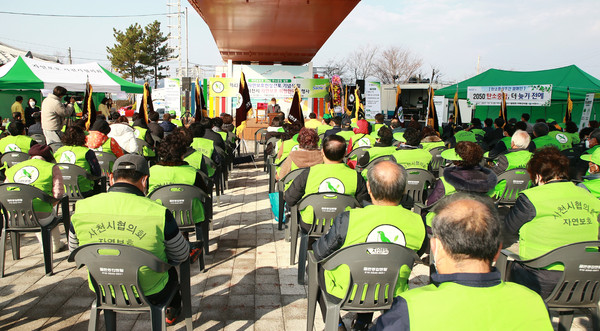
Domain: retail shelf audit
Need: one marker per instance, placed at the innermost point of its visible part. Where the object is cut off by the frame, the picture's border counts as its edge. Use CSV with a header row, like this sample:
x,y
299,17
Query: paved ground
x,y
249,284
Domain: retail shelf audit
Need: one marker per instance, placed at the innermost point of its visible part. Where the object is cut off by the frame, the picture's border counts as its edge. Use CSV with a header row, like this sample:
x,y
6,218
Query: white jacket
x,y
125,136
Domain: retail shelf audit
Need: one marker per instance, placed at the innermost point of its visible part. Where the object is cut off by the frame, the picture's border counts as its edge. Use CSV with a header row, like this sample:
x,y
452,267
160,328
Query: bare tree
x,y
436,74
335,67
361,62
396,65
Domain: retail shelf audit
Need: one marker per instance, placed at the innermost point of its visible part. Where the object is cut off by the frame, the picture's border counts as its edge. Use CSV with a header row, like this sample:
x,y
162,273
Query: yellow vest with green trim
x,y
18,143
413,158
37,173
506,306
593,186
76,155
184,174
564,139
125,219
287,146
376,127
203,145
377,224
431,145
323,178
564,214
465,136
399,136
545,141
478,132
322,128
140,133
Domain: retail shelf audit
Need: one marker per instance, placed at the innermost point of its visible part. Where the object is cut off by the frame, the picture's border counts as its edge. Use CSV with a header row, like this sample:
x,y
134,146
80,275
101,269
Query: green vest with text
x,y
203,145
184,174
125,219
564,139
413,158
560,219
375,152
392,224
34,172
593,186
544,141
323,178
465,136
322,128
478,308
76,155
18,143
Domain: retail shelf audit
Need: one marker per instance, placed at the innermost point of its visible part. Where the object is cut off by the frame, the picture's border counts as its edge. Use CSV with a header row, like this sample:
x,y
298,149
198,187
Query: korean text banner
x,y
269,88
518,95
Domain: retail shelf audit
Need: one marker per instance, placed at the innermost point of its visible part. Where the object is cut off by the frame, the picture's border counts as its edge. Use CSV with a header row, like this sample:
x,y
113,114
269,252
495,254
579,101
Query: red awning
x,y
272,31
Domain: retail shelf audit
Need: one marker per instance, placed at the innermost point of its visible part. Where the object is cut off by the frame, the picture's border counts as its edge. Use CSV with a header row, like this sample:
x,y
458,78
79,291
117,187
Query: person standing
x,y
17,107
29,111
54,113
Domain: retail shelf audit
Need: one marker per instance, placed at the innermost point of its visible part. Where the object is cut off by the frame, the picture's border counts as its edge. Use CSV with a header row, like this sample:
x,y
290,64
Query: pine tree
x,y
156,51
125,55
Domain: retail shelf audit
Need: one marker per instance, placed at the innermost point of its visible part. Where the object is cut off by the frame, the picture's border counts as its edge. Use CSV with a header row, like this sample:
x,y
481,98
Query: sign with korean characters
x,y
373,99
268,88
587,110
517,95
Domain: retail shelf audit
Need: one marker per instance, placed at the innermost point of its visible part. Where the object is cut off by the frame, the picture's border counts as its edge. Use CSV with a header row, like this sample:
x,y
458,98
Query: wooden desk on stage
x,y
251,127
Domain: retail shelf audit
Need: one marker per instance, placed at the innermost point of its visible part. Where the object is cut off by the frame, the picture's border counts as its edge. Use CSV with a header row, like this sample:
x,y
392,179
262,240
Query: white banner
x,y
518,95
441,108
373,99
587,110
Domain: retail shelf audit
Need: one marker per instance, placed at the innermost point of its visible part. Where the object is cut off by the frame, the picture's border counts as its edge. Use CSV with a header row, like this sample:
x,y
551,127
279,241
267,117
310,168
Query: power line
x,y
78,16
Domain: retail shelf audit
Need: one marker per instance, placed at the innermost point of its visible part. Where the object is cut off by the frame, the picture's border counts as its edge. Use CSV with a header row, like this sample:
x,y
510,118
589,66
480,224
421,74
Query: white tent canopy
x,y
30,74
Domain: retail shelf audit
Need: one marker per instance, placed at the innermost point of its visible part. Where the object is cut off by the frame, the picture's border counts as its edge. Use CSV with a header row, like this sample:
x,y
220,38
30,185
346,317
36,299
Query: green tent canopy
x,y
29,74
578,81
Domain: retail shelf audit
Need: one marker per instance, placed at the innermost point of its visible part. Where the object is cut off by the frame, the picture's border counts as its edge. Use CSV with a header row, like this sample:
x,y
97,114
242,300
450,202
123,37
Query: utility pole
x,y
478,60
70,58
187,48
174,16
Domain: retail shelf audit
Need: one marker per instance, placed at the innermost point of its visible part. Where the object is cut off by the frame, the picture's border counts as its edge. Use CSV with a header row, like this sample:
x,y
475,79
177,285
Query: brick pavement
x,y
249,284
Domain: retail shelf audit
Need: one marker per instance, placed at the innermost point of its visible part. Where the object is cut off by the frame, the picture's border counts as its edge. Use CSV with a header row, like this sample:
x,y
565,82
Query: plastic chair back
x,y
372,163
70,174
55,146
418,181
437,160
17,200
516,181
579,285
326,206
356,153
179,199
105,160
39,138
12,158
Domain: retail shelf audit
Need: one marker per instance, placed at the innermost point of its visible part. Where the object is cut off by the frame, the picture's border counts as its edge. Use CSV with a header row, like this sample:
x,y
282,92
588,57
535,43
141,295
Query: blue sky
x,y
449,35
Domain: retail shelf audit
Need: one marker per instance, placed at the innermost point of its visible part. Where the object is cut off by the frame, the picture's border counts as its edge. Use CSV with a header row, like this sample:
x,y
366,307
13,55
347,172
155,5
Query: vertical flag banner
x,y
89,110
200,102
244,104
296,115
359,109
146,106
569,107
398,103
457,117
503,110
432,119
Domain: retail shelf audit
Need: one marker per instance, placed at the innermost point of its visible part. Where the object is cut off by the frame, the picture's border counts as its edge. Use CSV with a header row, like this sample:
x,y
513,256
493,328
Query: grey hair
x,y
521,139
